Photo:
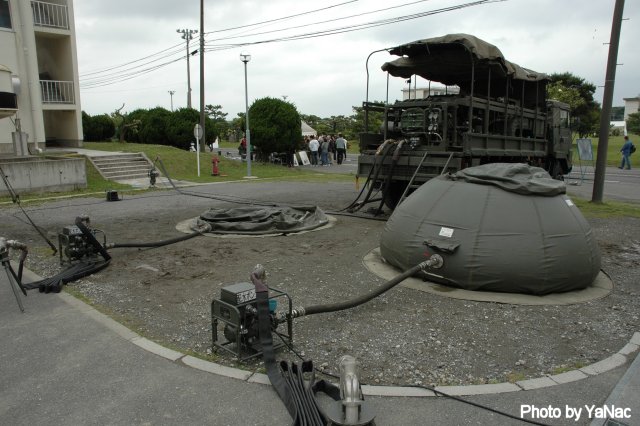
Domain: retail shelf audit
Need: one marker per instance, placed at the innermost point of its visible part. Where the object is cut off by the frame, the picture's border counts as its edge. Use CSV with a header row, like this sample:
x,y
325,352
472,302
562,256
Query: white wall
x,y
631,105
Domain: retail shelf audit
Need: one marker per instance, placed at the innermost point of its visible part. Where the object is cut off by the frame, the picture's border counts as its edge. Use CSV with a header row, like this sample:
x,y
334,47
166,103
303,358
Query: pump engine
x,y
234,319
74,245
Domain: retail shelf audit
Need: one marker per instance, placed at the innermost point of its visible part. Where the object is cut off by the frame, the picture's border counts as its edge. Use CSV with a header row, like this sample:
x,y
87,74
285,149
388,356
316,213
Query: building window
x,y
5,16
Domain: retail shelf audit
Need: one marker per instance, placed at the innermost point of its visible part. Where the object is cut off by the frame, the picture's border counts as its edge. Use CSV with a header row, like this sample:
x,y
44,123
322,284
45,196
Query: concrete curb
x,y
616,360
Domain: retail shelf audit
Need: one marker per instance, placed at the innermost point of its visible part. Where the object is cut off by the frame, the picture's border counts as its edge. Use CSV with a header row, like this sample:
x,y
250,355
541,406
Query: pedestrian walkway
x,y
62,362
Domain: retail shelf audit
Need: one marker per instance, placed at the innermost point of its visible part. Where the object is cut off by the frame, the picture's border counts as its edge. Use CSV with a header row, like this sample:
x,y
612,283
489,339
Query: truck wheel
x,y
556,171
394,193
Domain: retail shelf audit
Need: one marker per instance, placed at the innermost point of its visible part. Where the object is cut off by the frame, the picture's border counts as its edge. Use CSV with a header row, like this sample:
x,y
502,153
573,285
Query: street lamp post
x,y
171,92
245,57
188,35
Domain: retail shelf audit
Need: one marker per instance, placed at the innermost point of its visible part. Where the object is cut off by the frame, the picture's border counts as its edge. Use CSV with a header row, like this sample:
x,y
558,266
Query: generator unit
x,y
234,320
73,244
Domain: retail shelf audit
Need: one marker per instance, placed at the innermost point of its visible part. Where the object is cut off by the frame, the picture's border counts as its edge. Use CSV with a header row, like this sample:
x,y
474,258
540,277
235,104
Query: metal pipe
x,y
366,111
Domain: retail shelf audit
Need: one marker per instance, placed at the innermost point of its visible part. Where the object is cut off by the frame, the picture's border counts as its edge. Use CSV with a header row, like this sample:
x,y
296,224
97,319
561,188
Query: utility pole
x,y
607,99
204,130
188,35
171,92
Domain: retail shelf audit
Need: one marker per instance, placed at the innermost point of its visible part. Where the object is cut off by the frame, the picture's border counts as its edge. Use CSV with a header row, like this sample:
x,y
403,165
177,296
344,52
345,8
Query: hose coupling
x,y
352,409
434,262
5,245
295,313
260,272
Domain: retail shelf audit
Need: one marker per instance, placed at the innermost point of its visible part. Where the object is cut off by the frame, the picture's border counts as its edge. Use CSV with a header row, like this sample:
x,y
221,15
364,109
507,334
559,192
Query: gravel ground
x,y
403,337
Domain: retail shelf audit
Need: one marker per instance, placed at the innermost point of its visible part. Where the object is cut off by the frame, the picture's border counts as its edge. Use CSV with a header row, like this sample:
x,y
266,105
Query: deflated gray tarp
x,y
257,220
499,227
519,178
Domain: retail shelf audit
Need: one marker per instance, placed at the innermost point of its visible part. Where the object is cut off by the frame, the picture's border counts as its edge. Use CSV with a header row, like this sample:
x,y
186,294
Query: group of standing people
x,y
326,149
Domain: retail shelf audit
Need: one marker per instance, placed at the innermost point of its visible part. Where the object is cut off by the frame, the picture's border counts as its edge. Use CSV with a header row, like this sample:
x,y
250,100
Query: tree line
x,y
275,123
275,126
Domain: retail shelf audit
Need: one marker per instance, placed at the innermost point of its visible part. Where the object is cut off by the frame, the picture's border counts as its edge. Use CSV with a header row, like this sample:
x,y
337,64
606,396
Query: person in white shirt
x,y
313,147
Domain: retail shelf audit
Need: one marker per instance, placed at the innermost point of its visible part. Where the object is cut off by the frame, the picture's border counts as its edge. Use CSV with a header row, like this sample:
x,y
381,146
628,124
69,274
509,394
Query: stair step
x,y
122,166
126,166
110,162
128,176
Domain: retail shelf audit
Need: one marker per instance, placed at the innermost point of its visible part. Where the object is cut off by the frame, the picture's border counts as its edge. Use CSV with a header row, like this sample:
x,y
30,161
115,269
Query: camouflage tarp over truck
x,y
501,114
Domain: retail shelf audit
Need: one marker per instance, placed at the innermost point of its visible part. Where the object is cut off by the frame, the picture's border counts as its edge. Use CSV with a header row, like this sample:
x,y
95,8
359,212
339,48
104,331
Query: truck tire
x,y
395,191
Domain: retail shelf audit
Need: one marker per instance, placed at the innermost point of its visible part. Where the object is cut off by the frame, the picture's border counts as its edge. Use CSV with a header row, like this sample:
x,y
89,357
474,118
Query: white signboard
x,y
304,158
585,149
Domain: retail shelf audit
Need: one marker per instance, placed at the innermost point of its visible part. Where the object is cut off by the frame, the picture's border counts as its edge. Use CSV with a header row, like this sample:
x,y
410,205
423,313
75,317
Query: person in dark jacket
x,y
626,153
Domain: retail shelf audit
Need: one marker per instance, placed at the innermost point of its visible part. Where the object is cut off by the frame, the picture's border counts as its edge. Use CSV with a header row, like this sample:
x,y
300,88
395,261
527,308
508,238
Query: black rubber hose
x,y
321,309
73,273
92,239
387,183
156,243
353,203
205,227
384,153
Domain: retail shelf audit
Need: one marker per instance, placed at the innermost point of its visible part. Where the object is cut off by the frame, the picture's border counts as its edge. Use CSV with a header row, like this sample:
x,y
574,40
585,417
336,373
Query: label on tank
x,y
446,232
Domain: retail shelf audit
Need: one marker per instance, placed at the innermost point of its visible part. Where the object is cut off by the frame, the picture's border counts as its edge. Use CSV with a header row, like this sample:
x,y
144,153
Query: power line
x,y
357,27
180,45
358,15
132,62
283,18
128,76
135,71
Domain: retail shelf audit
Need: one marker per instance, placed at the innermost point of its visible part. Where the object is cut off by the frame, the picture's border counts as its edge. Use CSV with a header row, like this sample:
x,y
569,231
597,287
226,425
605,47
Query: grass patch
x,y
182,165
566,368
613,150
514,377
610,209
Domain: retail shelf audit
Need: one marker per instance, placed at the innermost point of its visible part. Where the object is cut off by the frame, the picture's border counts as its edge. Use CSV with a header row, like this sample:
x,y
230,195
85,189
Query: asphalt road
x,y
619,185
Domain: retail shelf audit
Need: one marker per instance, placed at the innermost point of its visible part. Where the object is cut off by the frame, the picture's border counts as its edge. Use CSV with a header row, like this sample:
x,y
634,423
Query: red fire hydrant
x,y
214,170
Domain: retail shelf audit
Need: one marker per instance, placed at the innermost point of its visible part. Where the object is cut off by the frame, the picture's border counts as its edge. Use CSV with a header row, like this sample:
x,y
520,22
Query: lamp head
x,y
245,57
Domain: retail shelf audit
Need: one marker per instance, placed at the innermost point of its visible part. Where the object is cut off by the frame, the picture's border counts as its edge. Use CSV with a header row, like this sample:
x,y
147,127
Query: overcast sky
x,y
325,75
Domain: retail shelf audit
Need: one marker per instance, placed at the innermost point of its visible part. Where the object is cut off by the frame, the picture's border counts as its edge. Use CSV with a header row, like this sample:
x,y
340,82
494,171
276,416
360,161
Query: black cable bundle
x,y
295,383
75,272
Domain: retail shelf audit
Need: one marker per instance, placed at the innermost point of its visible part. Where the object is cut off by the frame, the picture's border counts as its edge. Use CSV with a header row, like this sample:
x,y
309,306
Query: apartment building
x,y
38,45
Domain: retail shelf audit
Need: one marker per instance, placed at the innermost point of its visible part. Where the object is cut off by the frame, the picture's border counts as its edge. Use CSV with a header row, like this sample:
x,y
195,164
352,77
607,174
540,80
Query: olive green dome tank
x,y
499,227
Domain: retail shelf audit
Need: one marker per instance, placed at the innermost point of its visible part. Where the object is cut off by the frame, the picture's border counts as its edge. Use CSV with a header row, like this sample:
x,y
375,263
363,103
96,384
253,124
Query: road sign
x,y
197,131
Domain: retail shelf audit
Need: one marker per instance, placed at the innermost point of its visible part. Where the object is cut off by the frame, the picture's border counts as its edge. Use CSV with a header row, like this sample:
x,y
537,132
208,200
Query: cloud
x,y
326,76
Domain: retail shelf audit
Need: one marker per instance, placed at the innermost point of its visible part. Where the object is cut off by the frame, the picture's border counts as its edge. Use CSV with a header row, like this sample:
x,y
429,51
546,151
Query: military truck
x,y
499,112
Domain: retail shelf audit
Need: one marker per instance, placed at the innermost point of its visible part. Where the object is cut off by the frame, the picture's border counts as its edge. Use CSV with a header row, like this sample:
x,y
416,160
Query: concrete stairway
x,y
122,166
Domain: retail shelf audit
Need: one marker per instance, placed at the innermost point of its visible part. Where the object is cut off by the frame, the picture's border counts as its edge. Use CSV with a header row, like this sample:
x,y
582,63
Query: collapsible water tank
x,y
499,227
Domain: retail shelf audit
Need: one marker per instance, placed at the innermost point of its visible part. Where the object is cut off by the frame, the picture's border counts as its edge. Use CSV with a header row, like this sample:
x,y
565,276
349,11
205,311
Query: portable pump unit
x,y
234,320
74,245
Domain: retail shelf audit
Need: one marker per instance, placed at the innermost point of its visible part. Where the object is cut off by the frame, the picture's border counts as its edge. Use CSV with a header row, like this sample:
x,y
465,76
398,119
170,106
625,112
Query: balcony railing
x,y
50,15
57,92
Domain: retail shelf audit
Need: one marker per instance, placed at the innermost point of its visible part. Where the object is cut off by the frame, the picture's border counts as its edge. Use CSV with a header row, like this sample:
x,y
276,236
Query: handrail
x,y
57,92
47,14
